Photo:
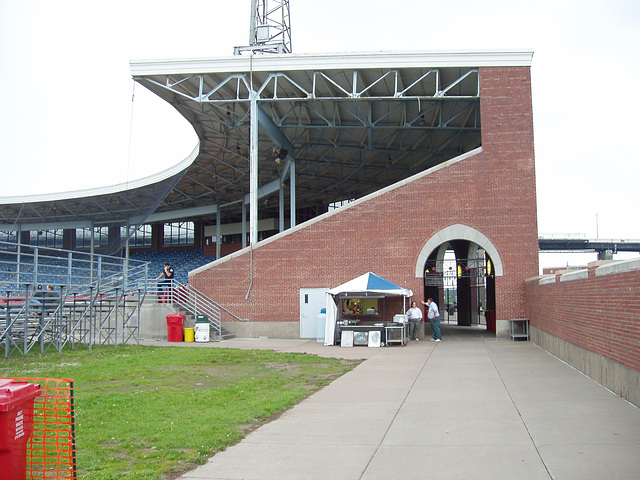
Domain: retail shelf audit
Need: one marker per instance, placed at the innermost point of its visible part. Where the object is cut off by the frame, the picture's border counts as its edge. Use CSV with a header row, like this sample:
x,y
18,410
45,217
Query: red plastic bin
x,y
175,321
16,425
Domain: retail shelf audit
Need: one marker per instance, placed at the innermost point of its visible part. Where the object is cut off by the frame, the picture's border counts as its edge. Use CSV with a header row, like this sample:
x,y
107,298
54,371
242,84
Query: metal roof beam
x,y
175,215
278,137
27,227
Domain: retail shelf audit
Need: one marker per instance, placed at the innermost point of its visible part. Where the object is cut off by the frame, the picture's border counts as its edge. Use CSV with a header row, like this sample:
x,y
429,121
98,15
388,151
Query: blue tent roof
x,y
370,282
378,283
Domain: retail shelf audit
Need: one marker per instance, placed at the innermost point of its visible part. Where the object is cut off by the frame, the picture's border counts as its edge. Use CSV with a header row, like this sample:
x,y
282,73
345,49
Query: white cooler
x,y
400,318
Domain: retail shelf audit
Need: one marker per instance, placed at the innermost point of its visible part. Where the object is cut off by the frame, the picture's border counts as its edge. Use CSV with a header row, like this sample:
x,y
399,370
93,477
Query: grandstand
x,y
311,169
334,132
181,260
52,298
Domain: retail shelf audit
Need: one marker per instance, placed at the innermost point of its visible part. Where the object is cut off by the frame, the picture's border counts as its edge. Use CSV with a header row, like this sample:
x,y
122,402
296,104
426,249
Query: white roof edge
x,y
317,61
110,189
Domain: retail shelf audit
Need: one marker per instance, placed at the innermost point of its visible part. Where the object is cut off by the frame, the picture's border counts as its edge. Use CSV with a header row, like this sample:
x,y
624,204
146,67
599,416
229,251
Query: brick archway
x,y
458,232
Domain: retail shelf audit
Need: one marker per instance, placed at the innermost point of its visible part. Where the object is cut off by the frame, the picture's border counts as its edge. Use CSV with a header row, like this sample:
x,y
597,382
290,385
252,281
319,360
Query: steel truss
x,y
270,28
347,132
342,85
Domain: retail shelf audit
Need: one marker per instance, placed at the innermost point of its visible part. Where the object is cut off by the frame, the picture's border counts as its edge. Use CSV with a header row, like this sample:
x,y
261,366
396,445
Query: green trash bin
x,y
201,330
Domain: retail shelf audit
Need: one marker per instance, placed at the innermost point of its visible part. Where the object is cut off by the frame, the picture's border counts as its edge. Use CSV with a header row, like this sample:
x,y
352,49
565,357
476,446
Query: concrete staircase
x,y
190,321
153,323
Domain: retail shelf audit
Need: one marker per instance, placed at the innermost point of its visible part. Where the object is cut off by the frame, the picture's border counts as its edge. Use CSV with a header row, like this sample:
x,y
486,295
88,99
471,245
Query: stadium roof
x,y
331,127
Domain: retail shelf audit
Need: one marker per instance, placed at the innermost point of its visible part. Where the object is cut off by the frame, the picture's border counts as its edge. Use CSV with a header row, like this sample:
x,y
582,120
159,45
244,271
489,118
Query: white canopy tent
x,y
369,283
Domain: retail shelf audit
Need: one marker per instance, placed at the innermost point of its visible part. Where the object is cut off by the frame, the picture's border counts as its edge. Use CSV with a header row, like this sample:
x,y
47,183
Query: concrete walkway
x,y
466,408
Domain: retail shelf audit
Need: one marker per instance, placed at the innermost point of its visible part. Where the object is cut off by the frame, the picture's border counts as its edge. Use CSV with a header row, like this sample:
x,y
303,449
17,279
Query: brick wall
x,y
600,313
492,192
507,143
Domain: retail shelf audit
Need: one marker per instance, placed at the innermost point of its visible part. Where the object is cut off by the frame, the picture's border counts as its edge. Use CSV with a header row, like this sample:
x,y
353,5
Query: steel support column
x,y
253,173
292,177
281,209
244,224
218,233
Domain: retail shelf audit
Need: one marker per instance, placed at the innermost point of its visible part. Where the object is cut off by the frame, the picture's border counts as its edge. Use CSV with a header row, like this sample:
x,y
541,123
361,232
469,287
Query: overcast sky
x,y
71,118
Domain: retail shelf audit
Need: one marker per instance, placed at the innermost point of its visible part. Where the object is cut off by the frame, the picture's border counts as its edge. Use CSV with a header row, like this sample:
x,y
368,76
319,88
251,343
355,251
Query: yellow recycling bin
x,y
189,335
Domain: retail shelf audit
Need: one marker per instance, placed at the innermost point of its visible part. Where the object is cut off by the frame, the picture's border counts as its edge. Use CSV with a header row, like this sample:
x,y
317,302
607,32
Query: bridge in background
x,y
582,244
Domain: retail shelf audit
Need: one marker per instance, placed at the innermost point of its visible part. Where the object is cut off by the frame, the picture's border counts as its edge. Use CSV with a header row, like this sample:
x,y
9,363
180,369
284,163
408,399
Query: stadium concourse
x,y
469,407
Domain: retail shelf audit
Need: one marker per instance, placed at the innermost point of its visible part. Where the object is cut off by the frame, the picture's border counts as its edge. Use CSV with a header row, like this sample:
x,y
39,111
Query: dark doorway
x,y
463,287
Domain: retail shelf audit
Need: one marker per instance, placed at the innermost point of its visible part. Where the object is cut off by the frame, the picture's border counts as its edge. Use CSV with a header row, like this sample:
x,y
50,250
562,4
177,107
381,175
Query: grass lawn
x,y
152,412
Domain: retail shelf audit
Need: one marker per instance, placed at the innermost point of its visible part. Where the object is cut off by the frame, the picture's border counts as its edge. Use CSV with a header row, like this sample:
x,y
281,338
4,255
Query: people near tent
x,y
415,319
433,314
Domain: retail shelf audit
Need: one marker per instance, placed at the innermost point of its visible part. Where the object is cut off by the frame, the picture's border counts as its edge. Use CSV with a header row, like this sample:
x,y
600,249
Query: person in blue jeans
x,y
164,289
433,314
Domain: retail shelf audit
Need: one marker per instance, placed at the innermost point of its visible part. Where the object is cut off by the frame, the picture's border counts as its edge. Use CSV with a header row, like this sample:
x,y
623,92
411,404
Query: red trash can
x,y
16,424
174,327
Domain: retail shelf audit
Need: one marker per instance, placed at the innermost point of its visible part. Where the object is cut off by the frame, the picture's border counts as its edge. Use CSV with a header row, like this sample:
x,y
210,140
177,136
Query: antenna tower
x,y
270,28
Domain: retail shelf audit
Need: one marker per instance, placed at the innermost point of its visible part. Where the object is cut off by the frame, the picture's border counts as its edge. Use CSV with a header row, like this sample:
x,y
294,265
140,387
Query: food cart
x,y
364,311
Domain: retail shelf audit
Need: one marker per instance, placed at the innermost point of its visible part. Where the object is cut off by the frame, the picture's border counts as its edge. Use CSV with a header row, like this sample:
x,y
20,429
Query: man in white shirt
x,y
433,314
415,317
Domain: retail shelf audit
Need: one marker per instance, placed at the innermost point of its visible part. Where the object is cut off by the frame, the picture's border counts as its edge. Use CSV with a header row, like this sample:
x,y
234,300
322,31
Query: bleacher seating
x,y
97,296
181,260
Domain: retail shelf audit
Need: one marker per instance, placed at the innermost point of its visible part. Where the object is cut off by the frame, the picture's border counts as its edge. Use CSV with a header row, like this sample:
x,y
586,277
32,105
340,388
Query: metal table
x,y
519,328
396,333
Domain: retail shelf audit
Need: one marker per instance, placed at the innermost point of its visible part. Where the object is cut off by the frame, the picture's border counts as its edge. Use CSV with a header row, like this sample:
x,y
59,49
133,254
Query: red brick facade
x,y
492,192
600,313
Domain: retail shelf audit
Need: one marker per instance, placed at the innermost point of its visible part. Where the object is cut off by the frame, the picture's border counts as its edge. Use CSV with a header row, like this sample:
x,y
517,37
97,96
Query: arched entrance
x,y
459,266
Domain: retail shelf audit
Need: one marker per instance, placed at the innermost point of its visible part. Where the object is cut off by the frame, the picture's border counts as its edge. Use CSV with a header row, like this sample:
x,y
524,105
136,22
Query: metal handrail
x,y
195,302
98,299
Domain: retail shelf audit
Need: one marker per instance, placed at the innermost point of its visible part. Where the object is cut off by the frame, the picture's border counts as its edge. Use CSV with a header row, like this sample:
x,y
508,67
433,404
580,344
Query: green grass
x,y
151,412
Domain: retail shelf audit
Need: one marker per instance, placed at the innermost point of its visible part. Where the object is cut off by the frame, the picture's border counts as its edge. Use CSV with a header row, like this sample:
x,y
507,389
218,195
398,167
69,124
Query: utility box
x,y
201,330
262,33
